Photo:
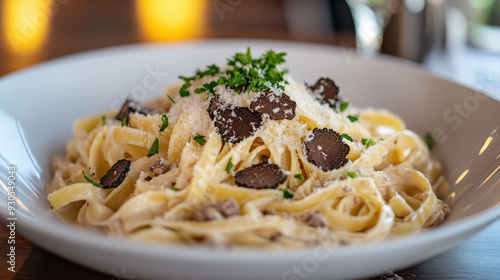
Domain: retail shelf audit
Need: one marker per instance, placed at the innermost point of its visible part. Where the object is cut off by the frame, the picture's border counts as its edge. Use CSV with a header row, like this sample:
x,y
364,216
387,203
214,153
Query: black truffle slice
x,y
215,103
130,106
325,149
328,91
116,174
236,123
264,175
276,106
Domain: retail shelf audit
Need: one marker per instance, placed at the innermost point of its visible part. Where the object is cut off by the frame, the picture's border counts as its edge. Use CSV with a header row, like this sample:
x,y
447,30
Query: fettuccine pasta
x,y
189,182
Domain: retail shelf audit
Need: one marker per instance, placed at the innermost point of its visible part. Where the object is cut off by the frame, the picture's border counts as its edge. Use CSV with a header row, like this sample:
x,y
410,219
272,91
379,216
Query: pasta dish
x,y
242,154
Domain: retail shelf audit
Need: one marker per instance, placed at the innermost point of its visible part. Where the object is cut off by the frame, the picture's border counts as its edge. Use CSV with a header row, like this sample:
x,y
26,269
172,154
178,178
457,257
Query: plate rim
x,y
75,234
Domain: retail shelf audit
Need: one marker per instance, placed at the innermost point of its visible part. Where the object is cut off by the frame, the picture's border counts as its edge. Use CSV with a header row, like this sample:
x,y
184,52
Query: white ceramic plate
x,y
39,105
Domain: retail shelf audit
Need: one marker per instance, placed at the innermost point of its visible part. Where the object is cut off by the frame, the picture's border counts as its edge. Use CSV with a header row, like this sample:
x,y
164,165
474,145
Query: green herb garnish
x,y
200,139
124,122
352,174
174,188
299,176
164,120
188,81
346,136
287,194
368,142
154,148
352,118
229,165
90,180
200,90
343,106
170,98
254,74
103,119
429,140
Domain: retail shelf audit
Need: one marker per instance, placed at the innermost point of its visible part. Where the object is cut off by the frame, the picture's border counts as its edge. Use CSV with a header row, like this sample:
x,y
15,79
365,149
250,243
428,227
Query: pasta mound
x,y
186,192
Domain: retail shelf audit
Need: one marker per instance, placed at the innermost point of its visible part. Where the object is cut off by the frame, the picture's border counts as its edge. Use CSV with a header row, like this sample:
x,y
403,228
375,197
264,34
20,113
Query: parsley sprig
x,y
253,74
287,194
154,148
368,142
171,99
299,176
90,180
352,118
212,70
200,139
343,106
229,165
346,136
164,120
429,141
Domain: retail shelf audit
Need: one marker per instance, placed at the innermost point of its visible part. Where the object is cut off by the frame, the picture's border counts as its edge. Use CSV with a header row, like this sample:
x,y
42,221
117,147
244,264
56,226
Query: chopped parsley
x,y
174,188
200,90
368,142
170,98
346,136
154,148
200,139
212,70
429,141
124,122
103,119
352,174
352,118
287,194
90,180
164,120
299,176
207,86
254,74
229,165
343,106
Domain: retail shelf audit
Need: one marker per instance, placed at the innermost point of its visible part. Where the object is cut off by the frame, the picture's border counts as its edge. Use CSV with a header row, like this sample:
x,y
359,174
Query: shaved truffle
x,y
264,175
158,167
277,106
206,213
325,149
217,211
116,174
236,123
315,219
328,91
215,103
229,207
130,106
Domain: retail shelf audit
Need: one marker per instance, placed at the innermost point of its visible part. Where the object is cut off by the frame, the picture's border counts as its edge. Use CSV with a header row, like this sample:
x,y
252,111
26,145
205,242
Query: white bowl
x,y
39,105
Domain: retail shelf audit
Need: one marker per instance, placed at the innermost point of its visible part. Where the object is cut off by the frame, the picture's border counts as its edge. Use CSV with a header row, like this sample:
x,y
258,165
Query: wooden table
x,y
77,26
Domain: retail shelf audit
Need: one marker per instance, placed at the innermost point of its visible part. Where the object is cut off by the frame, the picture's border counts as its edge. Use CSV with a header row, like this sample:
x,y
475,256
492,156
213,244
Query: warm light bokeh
x,y
165,20
25,25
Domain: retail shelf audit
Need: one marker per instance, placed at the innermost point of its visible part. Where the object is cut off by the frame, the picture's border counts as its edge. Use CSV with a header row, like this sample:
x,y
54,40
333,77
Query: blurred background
x,y
459,38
